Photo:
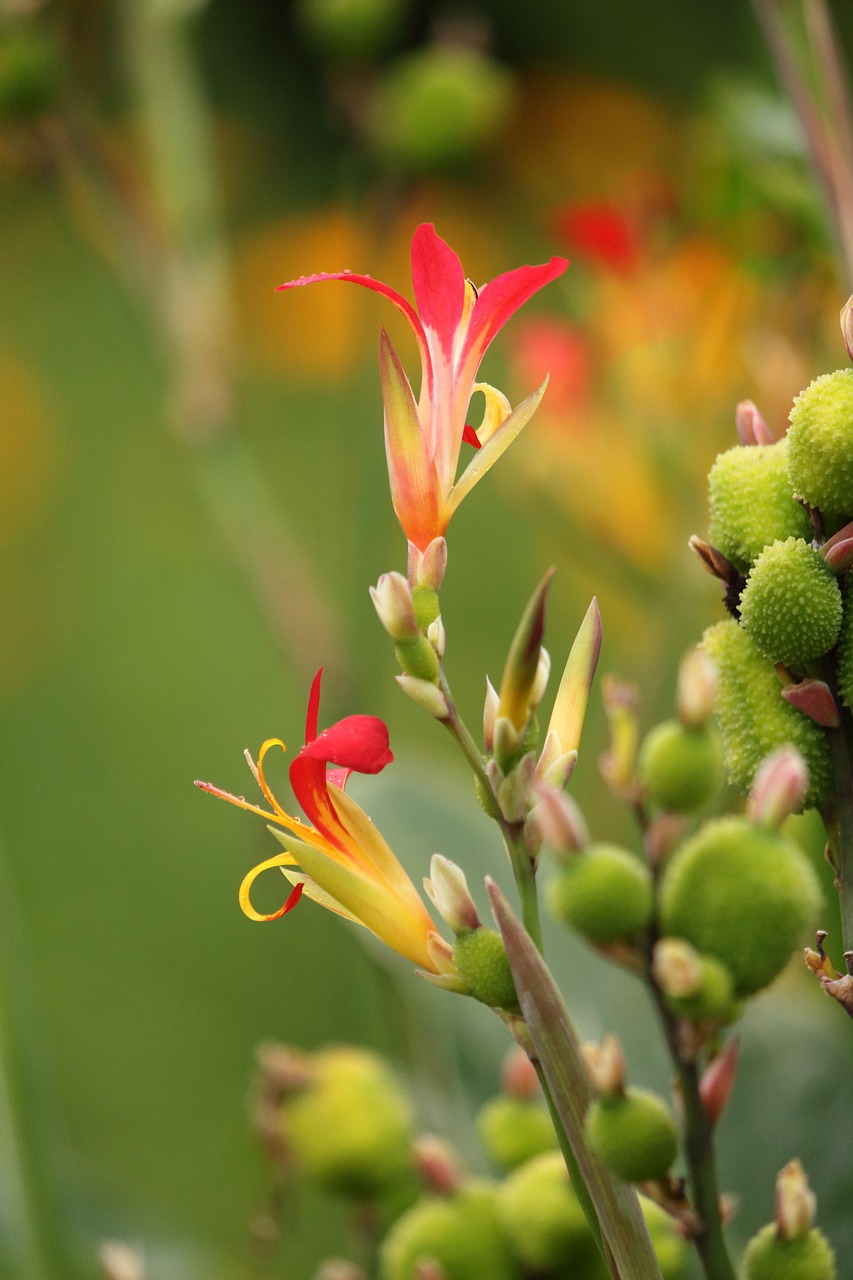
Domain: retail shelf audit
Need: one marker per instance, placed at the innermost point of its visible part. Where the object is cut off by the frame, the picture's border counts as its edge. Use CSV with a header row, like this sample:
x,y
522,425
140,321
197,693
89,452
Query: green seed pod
x,y
543,1217
463,1234
713,998
351,1128
752,503
820,443
769,1256
633,1134
605,893
513,1130
753,716
418,658
791,605
681,768
668,1243
742,893
481,962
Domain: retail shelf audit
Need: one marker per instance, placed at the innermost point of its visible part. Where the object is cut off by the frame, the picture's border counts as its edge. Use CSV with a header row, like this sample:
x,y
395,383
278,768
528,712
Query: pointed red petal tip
x,y
292,898
469,435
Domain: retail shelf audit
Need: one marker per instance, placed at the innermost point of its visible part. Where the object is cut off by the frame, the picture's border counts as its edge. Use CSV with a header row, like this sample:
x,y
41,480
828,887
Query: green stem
x,y
838,819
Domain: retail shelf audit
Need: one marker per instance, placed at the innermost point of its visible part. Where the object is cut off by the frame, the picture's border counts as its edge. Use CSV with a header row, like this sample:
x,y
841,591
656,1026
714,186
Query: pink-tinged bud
x,y
795,1202
392,600
663,833
447,889
779,787
837,551
841,989
425,694
522,664
540,684
430,566
617,766
429,1269
677,967
518,1075
514,793
490,713
436,636
340,1269
283,1069
846,318
438,1164
120,1262
605,1065
751,427
713,560
697,683
717,1082
814,699
555,766
570,704
560,821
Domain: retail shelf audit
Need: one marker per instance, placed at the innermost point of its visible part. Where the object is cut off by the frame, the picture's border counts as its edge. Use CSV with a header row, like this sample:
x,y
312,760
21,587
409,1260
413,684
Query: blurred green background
x,y
193,502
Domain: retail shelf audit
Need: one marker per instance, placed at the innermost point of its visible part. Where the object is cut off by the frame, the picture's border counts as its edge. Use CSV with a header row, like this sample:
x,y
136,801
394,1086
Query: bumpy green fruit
x,y
741,893
481,962
634,1135
605,893
752,503
439,105
845,654
770,1257
351,1128
753,716
463,1234
545,1223
820,443
791,605
669,1244
713,998
680,767
513,1130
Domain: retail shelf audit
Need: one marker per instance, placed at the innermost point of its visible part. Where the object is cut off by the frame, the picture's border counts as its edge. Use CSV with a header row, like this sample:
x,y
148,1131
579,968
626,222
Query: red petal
x,y
469,435
497,301
356,742
439,283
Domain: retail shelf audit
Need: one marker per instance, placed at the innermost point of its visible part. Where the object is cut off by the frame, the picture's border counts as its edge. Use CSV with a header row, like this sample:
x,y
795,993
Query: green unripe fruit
x,y
481,962
770,1257
752,503
418,658
791,605
545,1223
426,604
633,1135
351,1128
820,443
605,893
438,106
681,768
741,893
462,1233
513,1130
753,716
350,28
713,998
668,1243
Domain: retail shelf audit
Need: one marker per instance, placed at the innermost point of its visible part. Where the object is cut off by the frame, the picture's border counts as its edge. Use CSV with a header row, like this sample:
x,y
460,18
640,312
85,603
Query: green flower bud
x,y
752,503
462,1233
481,962
543,1217
681,768
791,605
742,893
668,1243
769,1256
820,443
633,1134
513,1130
753,716
605,893
351,1128
418,658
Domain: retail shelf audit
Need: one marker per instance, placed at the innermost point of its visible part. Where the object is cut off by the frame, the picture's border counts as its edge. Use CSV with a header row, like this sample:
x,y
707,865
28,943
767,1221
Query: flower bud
x,y
490,714
447,889
426,694
697,684
791,604
560,821
605,1065
569,709
392,599
680,768
426,568
813,698
605,893
437,636
540,684
438,1164
751,502
750,426
695,986
780,785
521,672
120,1262
482,964
514,792
790,1246
544,1219
461,1233
846,319
820,443
743,894
621,701
634,1136
717,1082
518,1075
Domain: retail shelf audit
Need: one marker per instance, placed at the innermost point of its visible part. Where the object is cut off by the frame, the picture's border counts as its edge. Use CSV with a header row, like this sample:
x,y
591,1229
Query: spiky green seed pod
x,y
351,1128
418,658
668,1243
543,1217
753,716
820,443
681,768
742,893
481,962
769,1256
633,1135
752,503
791,605
513,1130
605,893
463,1234
845,654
